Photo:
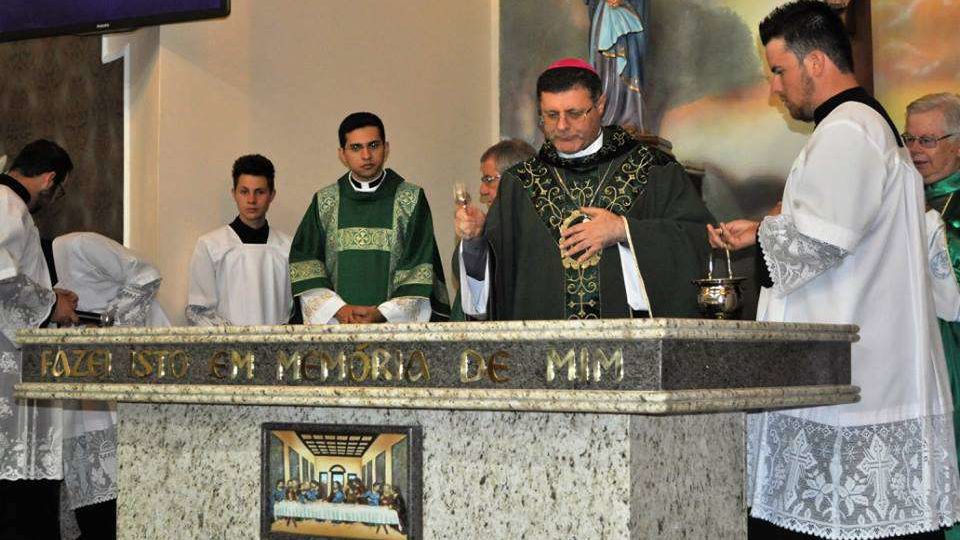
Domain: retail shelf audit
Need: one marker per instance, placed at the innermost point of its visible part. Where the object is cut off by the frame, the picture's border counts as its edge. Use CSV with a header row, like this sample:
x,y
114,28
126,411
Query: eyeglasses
x,y
572,115
487,179
926,141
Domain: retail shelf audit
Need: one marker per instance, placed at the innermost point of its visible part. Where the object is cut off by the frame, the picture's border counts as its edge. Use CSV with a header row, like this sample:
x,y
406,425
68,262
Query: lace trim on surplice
x,y
793,258
839,482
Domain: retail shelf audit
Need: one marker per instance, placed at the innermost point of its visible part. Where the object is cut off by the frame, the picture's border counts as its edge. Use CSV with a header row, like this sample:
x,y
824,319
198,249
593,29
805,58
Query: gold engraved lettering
x,y
381,359
291,363
179,363
161,364
140,365
555,363
417,358
220,364
494,366
311,366
45,364
465,357
401,365
584,374
615,363
61,364
98,362
364,358
240,363
329,363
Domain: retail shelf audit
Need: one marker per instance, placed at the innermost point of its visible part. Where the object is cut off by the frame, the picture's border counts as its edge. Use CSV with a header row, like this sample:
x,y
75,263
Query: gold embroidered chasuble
x,y
369,247
537,198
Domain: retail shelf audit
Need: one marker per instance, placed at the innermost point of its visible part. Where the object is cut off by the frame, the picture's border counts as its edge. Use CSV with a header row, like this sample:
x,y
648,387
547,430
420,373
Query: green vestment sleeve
x,y
669,240
419,270
307,269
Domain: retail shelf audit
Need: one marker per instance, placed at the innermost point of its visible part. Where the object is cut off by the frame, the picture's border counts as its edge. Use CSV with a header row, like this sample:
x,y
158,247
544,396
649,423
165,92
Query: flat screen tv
x,y
22,19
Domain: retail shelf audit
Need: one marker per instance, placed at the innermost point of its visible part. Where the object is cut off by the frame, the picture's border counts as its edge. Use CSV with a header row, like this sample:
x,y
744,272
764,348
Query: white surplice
x,y
946,292
106,277
30,430
849,247
234,283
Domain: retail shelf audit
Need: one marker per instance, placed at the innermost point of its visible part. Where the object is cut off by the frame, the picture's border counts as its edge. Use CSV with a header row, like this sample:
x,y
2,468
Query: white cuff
x,y
320,306
474,293
632,280
406,309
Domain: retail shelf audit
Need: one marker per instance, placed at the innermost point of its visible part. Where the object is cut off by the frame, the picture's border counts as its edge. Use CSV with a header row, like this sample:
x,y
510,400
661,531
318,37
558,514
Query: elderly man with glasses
x,y
597,225
933,137
493,163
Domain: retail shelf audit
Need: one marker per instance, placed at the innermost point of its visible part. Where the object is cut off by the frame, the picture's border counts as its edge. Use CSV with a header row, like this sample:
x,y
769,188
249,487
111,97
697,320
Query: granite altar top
x,y
610,329
519,400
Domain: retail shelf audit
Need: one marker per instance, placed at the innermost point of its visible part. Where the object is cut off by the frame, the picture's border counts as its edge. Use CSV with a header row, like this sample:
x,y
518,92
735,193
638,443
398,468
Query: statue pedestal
x,y
636,433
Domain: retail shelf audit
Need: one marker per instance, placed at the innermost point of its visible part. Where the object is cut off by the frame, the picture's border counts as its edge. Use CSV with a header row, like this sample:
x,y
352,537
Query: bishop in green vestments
x,y
597,225
365,251
933,138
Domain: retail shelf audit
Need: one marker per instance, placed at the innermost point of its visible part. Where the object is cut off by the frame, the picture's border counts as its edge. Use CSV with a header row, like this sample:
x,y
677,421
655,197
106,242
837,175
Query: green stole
x,y
369,247
611,178
942,196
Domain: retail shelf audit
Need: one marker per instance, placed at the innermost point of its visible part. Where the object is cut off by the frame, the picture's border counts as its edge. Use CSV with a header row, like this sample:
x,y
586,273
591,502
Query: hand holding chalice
x,y
468,221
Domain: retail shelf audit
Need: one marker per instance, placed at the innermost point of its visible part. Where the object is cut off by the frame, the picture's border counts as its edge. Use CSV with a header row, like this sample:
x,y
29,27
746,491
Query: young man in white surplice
x,y
238,273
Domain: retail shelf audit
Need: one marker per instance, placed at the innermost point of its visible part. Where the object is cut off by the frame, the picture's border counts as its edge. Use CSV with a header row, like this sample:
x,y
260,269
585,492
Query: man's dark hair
x,y
359,120
561,79
253,165
808,25
43,156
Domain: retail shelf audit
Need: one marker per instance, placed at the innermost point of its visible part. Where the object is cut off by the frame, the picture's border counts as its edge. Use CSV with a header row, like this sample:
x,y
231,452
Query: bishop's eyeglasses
x,y
572,115
926,141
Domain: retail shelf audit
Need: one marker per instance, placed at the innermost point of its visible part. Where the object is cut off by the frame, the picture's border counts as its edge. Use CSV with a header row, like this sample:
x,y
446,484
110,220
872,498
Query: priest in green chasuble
x,y
933,138
365,251
597,225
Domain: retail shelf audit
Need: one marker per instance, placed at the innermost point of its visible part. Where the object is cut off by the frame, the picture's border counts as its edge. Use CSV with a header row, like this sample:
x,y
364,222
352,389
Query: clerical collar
x,y
249,235
367,187
594,147
17,187
858,95
943,187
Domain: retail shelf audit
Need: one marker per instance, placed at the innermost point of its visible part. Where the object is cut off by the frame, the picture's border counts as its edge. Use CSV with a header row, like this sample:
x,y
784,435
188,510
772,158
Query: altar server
x,y
238,273
107,278
848,247
365,250
30,430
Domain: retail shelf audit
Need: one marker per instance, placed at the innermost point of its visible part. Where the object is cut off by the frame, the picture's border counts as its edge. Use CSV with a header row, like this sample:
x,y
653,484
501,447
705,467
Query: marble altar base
x,y
503,475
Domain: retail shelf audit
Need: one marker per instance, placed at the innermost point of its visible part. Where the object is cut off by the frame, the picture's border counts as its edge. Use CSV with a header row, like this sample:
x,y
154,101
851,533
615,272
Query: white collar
x,y
594,147
367,187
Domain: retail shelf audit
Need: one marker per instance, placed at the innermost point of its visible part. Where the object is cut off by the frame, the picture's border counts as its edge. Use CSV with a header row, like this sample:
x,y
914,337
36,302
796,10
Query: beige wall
x,y
276,78
383,444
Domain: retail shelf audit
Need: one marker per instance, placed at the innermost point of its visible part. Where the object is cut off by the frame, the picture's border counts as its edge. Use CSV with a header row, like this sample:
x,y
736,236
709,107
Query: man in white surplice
x,y
849,247
238,273
30,430
107,278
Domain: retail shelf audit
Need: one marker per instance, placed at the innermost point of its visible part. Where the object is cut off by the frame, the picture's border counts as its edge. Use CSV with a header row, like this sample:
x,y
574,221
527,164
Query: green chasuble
x,y
943,197
666,234
370,247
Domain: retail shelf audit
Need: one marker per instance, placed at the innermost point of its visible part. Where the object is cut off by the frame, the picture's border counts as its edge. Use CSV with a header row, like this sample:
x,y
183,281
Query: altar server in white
x,y
107,278
849,247
30,430
238,273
